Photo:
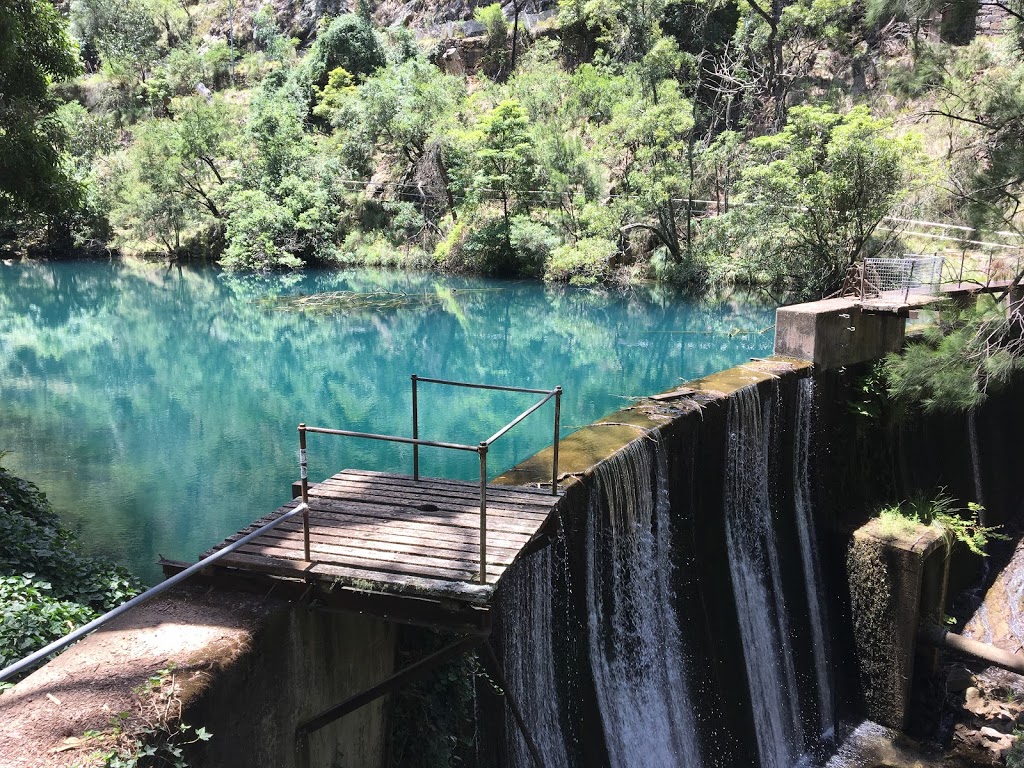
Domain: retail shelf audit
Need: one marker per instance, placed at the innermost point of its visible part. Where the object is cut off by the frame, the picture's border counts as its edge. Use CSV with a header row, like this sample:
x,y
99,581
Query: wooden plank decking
x,y
390,533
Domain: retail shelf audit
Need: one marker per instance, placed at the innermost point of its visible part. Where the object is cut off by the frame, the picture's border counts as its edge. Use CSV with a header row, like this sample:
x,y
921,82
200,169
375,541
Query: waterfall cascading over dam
x,y
757,582
636,653
679,617
530,663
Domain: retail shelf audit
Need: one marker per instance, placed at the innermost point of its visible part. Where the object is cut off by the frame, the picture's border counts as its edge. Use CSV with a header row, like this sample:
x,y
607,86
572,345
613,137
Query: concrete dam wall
x,y
692,606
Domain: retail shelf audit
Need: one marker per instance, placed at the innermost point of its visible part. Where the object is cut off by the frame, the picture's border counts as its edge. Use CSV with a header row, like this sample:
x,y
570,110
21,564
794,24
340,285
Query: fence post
x,y
415,431
554,460
483,512
304,483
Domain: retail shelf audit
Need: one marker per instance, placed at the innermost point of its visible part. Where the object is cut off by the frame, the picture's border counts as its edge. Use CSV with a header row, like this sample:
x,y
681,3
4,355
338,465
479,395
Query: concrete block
x,y
836,332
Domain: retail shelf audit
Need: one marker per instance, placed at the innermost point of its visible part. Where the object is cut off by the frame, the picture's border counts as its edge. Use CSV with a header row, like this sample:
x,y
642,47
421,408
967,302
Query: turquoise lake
x,y
158,407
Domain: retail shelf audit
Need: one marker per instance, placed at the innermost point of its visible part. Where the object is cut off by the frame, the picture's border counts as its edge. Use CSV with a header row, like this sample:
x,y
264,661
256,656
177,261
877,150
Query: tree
x,y
971,353
285,208
493,19
35,52
961,359
816,192
991,109
652,138
400,108
348,42
505,158
781,41
173,176
116,30
627,29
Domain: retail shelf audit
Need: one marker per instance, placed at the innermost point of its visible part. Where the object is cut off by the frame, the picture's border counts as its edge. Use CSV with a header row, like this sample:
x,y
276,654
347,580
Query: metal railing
x,y
42,654
899,278
480,448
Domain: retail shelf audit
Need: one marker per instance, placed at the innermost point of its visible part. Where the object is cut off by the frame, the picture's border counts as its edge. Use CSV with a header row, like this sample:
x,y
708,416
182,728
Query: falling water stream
x,y
802,499
530,662
642,670
972,431
757,583
636,653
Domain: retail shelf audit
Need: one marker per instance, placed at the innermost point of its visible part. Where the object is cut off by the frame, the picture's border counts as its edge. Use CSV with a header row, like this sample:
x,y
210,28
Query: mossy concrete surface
x,y
247,668
886,572
581,451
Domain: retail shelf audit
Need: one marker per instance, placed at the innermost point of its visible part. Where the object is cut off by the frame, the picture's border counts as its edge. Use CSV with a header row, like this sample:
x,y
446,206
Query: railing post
x,y
304,484
483,512
415,431
554,460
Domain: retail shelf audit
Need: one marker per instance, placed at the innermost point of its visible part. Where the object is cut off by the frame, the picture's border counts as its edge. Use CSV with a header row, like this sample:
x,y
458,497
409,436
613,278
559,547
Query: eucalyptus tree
x,y
506,168
650,140
35,52
168,187
815,193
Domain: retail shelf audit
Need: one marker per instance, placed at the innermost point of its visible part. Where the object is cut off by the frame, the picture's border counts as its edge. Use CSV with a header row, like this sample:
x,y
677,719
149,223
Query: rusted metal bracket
x,y
411,673
408,675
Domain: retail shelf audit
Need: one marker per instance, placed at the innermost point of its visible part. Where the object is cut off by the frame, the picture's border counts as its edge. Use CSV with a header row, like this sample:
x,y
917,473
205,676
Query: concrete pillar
x,y
836,332
896,578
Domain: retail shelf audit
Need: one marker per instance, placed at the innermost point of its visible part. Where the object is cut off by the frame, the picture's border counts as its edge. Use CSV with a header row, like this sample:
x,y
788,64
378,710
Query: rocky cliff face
x,y
300,17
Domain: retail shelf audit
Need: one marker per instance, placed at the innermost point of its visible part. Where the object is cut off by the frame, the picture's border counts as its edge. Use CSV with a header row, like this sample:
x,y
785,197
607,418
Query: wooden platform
x,y
379,532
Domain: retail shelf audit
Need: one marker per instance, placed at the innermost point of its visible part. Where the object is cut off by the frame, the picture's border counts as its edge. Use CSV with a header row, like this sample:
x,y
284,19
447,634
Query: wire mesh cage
x,y
900,278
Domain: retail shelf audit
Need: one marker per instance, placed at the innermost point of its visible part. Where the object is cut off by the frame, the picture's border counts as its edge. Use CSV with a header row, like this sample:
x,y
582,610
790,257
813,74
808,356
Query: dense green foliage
x,y
700,141
47,587
431,725
608,151
35,51
967,354
957,524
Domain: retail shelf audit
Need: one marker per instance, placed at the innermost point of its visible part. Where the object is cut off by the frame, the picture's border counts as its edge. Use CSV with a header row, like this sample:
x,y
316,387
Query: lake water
x,y
158,408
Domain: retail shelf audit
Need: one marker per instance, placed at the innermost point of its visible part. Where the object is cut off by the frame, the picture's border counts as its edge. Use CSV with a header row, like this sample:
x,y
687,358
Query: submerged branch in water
x,y
332,302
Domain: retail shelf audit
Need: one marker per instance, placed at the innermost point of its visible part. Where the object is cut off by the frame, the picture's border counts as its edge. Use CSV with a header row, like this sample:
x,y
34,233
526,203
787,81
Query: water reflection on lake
x,y
157,408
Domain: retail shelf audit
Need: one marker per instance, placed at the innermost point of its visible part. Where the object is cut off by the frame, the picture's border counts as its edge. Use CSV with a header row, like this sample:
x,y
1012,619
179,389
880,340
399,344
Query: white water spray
x,y
636,652
809,556
757,583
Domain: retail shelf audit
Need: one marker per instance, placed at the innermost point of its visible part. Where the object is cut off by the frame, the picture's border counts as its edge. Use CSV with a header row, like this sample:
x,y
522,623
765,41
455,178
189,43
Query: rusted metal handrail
x,y
42,654
481,449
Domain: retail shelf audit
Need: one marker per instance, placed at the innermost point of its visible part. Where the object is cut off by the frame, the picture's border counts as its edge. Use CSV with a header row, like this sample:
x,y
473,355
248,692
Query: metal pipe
x,y
512,705
518,419
30,661
304,485
940,637
483,513
411,673
488,386
415,432
391,438
554,448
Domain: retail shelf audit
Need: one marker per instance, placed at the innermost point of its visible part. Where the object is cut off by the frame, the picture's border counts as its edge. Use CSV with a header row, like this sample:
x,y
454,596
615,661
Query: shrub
x,y
486,249
258,234
47,587
585,262
348,42
532,245
941,512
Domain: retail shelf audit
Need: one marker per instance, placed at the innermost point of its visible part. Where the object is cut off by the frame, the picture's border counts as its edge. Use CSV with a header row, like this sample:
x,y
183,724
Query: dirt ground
x,y
44,719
